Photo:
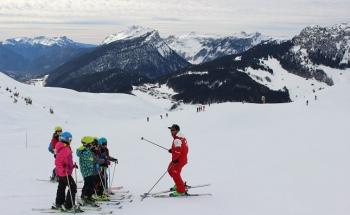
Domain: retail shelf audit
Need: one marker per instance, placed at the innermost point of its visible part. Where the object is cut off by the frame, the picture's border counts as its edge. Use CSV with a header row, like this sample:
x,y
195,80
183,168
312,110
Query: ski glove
x,y
175,161
169,150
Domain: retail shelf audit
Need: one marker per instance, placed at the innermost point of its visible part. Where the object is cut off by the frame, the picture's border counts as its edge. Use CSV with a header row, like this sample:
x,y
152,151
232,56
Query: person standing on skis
x,y
179,151
87,163
64,168
105,151
101,162
105,155
51,148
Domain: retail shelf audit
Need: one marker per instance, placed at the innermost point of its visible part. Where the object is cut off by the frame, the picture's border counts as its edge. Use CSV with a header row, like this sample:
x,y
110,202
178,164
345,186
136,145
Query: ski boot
x,y
102,198
86,201
56,207
177,194
174,188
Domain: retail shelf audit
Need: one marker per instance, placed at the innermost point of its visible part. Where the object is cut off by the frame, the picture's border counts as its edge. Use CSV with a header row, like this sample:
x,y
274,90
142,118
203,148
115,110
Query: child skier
x,y
179,150
64,168
104,153
51,148
100,162
87,162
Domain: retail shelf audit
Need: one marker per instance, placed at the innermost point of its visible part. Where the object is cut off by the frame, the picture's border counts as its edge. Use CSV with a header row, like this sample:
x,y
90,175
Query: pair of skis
x,y
96,209
99,211
165,193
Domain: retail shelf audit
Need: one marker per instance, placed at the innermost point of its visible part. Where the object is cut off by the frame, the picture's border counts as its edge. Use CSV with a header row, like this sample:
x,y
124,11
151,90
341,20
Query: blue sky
x,y
92,20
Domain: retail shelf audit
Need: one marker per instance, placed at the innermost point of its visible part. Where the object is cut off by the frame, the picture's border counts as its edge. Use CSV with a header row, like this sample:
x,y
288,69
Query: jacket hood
x,y
60,146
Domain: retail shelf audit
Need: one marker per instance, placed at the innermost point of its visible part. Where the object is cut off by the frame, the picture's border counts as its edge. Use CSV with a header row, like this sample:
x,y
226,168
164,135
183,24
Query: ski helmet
x,y
102,141
87,140
65,137
58,129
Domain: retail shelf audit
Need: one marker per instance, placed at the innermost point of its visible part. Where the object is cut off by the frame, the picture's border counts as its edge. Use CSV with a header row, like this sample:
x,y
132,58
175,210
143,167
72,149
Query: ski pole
x,y
105,179
103,186
109,178
115,164
76,181
70,192
142,138
146,194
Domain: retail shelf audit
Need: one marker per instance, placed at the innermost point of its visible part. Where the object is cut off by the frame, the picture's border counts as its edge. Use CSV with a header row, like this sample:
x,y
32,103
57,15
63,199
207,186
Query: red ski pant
x,y
174,171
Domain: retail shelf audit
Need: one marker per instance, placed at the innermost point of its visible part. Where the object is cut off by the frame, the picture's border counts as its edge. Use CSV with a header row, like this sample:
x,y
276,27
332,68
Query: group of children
x,y
94,160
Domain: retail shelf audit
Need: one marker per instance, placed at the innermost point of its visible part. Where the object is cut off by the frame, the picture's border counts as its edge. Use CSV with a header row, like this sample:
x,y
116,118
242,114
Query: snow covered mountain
x,y
328,46
132,32
268,159
123,59
223,79
44,41
38,55
279,71
203,48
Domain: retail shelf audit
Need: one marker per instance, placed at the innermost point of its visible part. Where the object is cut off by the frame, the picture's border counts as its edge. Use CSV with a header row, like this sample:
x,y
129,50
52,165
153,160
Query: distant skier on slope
x,y
64,168
179,150
51,148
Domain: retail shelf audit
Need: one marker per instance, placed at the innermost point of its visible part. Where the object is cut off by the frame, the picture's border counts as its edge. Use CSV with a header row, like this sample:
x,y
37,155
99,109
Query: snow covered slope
x,y
298,87
261,159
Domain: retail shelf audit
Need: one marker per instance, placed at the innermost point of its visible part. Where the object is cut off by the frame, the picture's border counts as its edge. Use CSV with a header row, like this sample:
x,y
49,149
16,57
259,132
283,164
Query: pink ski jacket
x,y
64,159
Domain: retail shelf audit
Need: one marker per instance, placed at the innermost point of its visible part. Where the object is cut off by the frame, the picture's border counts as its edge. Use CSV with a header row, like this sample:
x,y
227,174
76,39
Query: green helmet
x,y
87,140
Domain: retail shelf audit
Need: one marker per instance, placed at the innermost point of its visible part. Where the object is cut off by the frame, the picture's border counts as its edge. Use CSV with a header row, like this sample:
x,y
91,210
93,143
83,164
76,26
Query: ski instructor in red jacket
x,y
179,150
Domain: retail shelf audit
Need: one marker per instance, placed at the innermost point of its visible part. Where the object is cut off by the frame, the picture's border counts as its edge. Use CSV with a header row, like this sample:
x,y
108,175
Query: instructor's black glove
x,y
169,150
175,161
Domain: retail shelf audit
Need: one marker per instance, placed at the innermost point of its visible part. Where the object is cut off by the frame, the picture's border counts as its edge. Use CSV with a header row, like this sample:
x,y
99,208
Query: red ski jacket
x,y
53,143
179,149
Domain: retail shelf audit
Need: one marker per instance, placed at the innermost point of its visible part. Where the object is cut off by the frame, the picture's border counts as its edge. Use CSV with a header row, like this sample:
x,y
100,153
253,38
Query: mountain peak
x,y
40,40
130,33
199,48
333,29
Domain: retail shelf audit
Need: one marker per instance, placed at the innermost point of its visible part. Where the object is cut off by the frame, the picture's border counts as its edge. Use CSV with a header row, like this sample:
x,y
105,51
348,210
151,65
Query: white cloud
x,y
275,17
